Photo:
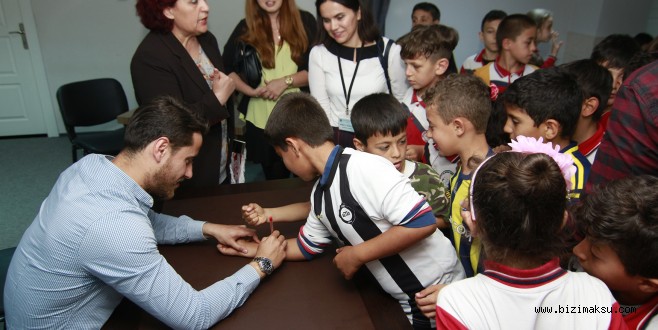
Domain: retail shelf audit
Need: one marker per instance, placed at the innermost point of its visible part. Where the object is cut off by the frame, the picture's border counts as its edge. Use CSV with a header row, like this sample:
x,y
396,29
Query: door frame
x,y
47,109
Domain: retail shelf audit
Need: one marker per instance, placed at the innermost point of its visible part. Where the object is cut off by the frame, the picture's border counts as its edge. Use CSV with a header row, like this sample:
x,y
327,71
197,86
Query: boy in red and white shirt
x,y
620,223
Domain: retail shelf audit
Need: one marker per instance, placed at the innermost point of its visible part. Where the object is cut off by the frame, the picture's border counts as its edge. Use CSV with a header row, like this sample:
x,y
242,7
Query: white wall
x,y
84,39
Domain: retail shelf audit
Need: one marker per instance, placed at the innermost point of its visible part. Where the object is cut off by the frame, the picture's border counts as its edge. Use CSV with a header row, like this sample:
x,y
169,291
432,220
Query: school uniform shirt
x,y
546,297
417,122
361,196
582,169
589,147
494,74
474,62
468,247
643,316
367,74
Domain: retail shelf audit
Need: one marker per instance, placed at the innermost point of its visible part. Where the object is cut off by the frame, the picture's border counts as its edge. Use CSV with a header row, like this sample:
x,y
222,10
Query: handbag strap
x,y
383,59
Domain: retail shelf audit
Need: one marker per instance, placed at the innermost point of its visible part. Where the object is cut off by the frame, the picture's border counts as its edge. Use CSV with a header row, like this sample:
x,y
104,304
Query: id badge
x,y
345,125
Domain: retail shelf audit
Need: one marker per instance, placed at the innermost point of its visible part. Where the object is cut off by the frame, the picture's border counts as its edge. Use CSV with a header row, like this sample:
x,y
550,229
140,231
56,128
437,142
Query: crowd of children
x,y
488,182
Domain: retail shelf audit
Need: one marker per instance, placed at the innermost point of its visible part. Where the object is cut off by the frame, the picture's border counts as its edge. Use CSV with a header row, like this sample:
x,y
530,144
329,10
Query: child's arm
x,y
293,253
350,258
255,215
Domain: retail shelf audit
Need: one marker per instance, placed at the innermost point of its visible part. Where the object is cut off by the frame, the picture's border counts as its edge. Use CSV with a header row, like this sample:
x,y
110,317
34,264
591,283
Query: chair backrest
x,y
91,102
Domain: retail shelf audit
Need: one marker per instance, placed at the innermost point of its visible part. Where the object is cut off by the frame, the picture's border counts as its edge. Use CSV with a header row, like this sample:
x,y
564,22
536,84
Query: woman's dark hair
x,y
520,202
151,14
367,29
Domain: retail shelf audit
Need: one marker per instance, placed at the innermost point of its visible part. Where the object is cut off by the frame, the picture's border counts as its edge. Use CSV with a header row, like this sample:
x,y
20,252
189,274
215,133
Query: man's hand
x,y
228,235
250,246
272,247
347,261
253,214
426,299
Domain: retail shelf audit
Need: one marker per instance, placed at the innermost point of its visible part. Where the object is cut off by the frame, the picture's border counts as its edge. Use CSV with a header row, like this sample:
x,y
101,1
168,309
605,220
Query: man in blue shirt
x,y
95,238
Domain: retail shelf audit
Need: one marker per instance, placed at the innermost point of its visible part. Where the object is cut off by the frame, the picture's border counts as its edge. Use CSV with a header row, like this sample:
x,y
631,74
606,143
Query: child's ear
x,y
551,129
589,106
293,145
481,36
441,66
358,144
459,126
649,285
507,43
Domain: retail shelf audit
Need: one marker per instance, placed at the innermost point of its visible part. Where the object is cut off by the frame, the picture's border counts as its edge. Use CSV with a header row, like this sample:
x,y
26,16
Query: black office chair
x,y
5,259
89,103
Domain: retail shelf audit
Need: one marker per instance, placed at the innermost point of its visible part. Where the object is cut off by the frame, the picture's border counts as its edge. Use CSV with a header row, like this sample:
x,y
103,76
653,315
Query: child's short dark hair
x,y
492,15
513,26
615,51
523,218
432,41
547,94
300,116
430,8
461,96
624,215
378,113
593,79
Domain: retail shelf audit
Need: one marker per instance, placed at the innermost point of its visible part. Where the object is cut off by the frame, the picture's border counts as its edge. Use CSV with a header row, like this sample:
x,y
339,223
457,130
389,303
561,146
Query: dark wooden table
x,y
298,295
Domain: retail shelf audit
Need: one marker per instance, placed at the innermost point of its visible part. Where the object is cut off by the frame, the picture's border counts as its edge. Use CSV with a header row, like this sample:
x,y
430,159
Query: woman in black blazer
x,y
181,58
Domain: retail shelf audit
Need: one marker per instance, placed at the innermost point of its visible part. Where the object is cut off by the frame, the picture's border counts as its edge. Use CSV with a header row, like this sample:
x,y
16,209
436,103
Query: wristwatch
x,y
289,80
265,265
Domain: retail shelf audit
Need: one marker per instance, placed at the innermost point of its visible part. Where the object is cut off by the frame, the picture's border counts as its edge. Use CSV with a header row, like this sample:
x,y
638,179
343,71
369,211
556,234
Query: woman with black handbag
x,y
179,57
281,36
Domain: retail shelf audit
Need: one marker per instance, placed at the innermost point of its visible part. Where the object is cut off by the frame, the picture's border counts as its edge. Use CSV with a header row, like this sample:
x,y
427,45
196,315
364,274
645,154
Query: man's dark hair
x,y
378,113
300,116
615,51
624,215
547,94
164,116
430,8
492,15
593,79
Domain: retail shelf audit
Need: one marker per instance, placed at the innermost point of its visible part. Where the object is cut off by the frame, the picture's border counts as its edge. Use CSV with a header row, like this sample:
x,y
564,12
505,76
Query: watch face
x,y
265,265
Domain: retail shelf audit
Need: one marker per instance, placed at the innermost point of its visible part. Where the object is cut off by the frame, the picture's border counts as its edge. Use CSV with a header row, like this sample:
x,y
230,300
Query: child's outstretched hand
x,y
347,261
253,214
556,43
426,299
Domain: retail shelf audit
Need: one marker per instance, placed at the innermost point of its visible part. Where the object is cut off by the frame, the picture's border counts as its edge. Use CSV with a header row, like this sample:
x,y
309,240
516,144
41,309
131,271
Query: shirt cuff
x,y
194,229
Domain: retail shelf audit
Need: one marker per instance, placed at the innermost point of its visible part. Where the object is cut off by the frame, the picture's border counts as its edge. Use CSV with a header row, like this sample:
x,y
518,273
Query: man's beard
x,y
161,185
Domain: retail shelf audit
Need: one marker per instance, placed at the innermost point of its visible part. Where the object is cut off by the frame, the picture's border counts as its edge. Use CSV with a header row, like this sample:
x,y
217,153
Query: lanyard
x,y
348,93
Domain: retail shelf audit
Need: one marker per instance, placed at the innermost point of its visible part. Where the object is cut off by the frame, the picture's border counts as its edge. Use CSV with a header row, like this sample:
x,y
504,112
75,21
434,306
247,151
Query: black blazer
x,y
162,66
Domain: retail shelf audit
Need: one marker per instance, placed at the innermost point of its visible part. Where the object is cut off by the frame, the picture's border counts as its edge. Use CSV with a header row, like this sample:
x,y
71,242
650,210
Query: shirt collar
x,y
503,72
524,278
326,174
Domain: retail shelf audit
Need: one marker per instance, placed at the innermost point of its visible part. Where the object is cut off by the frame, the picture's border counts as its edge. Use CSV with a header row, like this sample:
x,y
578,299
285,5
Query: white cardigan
x,y
324,76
